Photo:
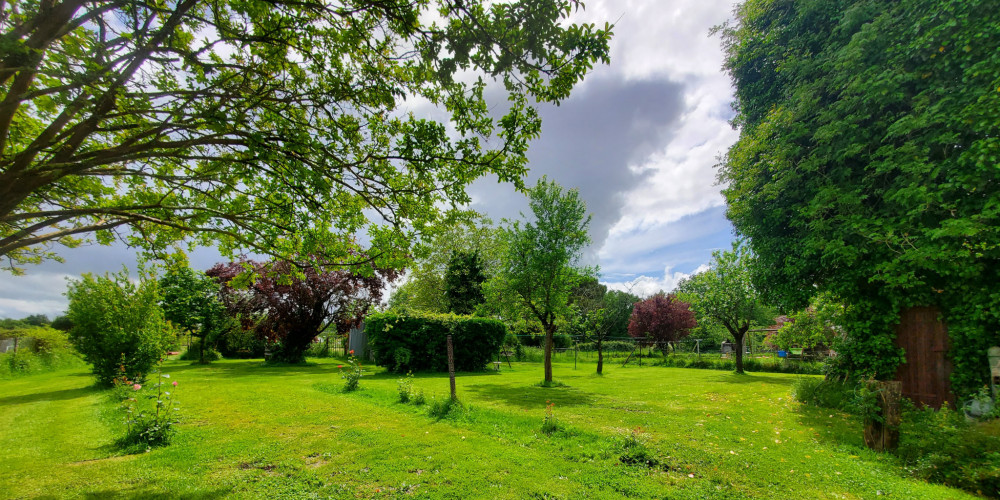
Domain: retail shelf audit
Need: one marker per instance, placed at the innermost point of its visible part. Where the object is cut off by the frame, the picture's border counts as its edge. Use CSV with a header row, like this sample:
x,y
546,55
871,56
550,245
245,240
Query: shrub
x,y
115,317
146,425
824,393
193,353
40,349
415,342
241,344
941,446
352,375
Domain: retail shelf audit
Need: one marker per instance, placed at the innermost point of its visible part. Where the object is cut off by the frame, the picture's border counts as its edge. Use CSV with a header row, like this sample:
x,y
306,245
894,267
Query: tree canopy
x,y
725,295
538,269
290,307
276,127
867,163
463,282
661,318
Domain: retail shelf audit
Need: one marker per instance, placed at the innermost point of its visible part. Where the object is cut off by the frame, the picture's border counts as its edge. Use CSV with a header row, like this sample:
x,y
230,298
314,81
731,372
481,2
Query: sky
x,y
639,139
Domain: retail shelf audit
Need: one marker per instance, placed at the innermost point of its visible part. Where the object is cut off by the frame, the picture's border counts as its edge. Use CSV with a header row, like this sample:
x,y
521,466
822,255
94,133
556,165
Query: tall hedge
x,y
417,342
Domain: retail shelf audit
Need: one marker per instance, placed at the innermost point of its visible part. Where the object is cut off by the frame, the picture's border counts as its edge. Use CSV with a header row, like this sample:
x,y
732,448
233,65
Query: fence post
x,y
451,368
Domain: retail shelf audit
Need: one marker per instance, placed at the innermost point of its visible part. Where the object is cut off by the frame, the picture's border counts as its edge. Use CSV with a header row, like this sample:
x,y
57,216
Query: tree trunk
x,y
739,350
201,349
600,358
883,434
549,330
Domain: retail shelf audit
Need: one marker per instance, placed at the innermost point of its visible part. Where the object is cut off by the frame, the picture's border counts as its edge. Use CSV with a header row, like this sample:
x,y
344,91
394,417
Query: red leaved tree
x,y
291,307
660,319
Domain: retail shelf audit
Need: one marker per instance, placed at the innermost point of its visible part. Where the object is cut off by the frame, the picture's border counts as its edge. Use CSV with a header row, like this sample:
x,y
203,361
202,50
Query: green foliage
x,y
241,344
816,326
352,373
867,165
274,129
714,362
418,342
725,295
39,349
942,447
824,393
196,353
149,416
550,423
463,282
537,271
115,318
191,302
634,449
441,408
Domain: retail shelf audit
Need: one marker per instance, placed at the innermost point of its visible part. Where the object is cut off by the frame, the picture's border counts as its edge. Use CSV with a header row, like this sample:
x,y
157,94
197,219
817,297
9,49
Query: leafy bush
x,y
440,408
772,365
351,376
241,344
193,353
114,317
146,425
941,446
823,393
608,346
416,342
40,349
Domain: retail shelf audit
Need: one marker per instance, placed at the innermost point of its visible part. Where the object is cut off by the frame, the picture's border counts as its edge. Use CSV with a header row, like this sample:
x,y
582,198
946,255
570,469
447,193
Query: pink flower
x,y
136,387
351,352
340,366
175,383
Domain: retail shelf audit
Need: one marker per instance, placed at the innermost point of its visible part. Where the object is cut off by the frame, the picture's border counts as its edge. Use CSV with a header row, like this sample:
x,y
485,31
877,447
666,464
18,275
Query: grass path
x,y
251,431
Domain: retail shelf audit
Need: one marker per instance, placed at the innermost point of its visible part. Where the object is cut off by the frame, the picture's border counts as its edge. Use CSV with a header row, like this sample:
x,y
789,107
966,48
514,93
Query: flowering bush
x,y
550,424
352,375
148,425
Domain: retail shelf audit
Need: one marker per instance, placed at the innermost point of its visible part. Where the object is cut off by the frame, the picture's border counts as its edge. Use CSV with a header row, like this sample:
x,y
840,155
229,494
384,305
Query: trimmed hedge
x,y
418,342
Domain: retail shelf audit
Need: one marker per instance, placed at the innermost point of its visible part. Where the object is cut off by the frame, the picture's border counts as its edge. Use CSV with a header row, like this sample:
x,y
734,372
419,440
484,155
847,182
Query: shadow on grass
x,y
60,395
145,494
830,427
753,378
531,396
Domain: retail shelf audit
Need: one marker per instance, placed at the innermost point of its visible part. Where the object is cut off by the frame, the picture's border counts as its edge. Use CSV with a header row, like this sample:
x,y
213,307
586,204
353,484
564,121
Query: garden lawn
x,y
254,431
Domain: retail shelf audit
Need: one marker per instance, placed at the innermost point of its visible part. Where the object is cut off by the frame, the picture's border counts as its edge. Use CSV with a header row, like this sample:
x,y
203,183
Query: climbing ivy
x,y
867,165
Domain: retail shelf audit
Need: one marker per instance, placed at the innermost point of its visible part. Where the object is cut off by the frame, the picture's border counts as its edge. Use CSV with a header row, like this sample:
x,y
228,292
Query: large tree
x,y
292,306
867,164
725,294
661,319
539,269
274,126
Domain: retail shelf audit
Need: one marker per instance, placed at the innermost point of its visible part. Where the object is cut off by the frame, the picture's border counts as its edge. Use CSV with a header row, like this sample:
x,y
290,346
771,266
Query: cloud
x,y
646,286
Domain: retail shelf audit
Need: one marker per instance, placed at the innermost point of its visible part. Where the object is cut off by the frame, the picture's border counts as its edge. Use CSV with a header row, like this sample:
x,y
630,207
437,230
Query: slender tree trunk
x,y
600,358
201,350
739,335
549,330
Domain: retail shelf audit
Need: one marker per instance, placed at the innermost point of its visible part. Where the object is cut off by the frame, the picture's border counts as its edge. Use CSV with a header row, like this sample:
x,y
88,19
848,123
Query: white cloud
x,y
645,286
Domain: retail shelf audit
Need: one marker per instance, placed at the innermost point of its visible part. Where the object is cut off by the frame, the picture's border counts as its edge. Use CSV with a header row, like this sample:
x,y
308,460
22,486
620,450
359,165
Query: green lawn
x,y
251,431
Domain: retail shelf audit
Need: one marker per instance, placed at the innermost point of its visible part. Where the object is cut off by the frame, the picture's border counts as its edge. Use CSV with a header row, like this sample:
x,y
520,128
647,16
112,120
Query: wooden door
x,y
926,374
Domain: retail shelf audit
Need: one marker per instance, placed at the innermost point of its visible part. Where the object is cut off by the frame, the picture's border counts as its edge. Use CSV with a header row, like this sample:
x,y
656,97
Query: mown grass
x,y
254,431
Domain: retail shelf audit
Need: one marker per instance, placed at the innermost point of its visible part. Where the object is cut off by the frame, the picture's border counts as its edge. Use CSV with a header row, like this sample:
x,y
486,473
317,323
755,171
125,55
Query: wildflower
x,y
351,352
340,366
175,383
136,387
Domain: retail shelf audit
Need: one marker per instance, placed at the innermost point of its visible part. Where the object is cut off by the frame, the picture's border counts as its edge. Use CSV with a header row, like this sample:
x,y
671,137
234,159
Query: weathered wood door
x,y
926,374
